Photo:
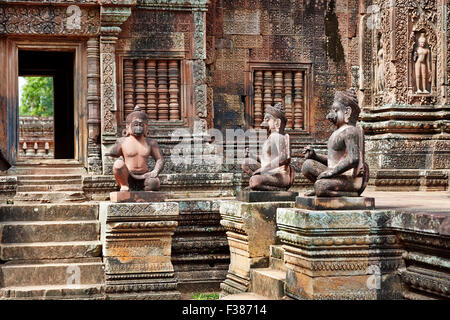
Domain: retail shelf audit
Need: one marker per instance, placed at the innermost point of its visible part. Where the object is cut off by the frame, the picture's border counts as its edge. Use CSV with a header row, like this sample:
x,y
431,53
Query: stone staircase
x,y
50,251
266,283
49,181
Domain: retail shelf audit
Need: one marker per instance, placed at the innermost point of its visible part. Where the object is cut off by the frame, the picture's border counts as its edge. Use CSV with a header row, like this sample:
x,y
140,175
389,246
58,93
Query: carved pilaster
x,y
268,82
93,102
200,88
111,20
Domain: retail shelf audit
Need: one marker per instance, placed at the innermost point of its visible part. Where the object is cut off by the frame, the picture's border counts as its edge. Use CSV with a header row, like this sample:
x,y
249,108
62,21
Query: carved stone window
x,y
270,84
154,85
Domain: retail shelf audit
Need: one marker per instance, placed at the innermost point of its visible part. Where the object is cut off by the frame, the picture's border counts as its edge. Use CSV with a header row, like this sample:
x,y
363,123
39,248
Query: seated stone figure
x,y
343,172
136,148
271,170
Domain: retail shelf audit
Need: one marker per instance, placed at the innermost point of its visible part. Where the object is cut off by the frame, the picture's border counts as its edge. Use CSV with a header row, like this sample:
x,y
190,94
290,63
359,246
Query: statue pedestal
x,y
335,203
137,196
137,239
266,196
340,254
251,229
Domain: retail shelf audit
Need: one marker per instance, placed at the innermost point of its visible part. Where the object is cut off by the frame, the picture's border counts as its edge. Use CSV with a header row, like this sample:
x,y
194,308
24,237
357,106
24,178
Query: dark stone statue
x,y
343,172
271,171
136,148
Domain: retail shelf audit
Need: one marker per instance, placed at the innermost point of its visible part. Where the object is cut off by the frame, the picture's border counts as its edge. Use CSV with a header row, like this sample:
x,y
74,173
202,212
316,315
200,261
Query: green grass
x,y
206,296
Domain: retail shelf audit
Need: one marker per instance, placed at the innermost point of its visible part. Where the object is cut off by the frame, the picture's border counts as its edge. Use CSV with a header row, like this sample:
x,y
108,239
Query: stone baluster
x,y
128,86
278,87
288,98
298,100
258,111
163,103
151,109
268,82
174,106
139,72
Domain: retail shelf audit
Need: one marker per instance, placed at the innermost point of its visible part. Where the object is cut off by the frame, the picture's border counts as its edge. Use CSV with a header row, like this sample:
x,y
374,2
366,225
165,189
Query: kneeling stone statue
x,y
136,148
343,173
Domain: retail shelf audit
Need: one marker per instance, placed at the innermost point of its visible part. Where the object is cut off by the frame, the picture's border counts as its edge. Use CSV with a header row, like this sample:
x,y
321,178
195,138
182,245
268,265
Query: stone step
x,y
20,275
86,291
50,186
49,212
50,250
276,258
48,231
268,282
48,167
244,296
41,179
47,197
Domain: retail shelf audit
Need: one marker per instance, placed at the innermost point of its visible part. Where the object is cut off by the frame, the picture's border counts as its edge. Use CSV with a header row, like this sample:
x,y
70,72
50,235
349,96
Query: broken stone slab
x,y
335,203
137,196
266,196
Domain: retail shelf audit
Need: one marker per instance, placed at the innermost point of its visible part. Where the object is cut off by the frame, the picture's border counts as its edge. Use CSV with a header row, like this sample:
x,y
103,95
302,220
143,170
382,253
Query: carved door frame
x,y
13,45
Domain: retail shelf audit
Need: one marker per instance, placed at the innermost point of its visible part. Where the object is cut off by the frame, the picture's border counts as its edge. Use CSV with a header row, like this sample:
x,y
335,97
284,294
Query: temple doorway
x,y
46,110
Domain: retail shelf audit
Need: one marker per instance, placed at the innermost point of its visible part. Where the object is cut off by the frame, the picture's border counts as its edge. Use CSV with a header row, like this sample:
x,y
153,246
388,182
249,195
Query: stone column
x,y
251,230
93,100
137,241
111,20
340,254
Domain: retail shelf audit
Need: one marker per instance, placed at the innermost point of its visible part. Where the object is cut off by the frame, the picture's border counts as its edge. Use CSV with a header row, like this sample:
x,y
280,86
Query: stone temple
x,y
205,72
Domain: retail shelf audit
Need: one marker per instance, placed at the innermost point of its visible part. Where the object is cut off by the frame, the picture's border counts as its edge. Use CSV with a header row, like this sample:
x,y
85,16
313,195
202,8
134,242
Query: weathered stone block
x,y
251,229
335,203
266,196
340,254
137,196
137,241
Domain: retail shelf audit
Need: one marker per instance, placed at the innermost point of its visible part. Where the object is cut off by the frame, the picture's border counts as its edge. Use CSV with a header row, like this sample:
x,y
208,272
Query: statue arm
x,y
116,149
351,160
323,159
157,155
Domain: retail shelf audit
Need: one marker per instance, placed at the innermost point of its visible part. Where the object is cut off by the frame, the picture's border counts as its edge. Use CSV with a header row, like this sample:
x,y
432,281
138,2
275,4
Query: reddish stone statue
x,y
273,172
136,148
343,172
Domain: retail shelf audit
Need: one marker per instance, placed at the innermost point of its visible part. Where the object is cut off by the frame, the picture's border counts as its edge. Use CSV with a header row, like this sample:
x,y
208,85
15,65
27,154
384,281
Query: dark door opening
x,y
58,65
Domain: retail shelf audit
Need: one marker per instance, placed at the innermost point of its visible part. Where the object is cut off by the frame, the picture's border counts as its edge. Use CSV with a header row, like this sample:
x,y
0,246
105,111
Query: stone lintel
x,y
335,203
266,196
137,196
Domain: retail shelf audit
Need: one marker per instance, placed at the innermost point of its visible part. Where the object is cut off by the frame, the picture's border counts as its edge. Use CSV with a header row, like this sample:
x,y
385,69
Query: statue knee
x,y
321,187
254,182
152,184
118,164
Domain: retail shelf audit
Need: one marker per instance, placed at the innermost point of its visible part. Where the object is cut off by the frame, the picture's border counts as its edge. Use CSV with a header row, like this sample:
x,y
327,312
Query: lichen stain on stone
x,y
333,45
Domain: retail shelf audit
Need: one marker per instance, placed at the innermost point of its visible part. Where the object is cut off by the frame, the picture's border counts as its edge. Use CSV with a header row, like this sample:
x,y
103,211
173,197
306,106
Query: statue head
x,y
275,118
422,40
345,108
136,122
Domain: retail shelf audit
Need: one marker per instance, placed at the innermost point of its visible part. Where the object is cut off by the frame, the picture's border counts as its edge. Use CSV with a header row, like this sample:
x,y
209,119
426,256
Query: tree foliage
x,y
37,97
